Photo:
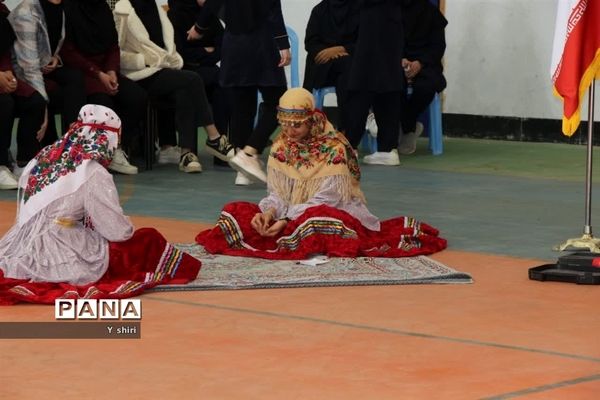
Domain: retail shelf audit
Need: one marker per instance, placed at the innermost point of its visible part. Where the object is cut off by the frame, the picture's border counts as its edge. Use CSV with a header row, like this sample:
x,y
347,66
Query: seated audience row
x,y
399,45
67,53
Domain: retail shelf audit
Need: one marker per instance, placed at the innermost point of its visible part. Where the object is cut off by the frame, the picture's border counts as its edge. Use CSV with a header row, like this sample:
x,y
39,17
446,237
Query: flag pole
x,y
587,241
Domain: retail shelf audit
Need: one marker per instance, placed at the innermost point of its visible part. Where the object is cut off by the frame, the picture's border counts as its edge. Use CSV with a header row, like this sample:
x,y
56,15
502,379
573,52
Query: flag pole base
x,y
587,241
582,268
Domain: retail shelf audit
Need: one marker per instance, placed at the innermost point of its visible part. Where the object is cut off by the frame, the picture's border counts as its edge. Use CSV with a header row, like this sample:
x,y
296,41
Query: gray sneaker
x,y
408,141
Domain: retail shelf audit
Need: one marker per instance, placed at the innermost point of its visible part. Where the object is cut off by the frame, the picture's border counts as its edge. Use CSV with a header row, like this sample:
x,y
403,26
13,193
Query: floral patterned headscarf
x,y
61,168
297,168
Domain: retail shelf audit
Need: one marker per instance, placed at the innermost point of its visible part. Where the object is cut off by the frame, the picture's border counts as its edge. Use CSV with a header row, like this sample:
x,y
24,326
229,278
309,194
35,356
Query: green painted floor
x,y
512,198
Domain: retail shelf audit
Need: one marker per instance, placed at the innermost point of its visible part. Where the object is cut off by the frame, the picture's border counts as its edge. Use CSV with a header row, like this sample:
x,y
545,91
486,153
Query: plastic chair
x,y
434,126
295,72
320,93
432,123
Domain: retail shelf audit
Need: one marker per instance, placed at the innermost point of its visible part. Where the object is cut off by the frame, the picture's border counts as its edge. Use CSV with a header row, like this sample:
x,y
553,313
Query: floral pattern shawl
x,y
297,168
60,168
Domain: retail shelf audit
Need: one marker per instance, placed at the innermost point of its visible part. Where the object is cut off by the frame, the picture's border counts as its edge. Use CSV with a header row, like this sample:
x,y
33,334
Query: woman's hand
x,y
286,58
192,34
330,53
114,80
411,68
8,82
39,135
276,228
51,65
261,222
110,84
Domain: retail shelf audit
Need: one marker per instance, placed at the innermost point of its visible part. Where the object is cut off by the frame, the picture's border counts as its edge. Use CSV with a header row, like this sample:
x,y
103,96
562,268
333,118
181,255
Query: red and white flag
x,y
575,56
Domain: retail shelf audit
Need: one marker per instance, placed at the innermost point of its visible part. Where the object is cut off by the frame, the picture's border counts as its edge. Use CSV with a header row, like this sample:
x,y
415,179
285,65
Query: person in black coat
x,y
201,56
376,78
255,49
329,41
424,27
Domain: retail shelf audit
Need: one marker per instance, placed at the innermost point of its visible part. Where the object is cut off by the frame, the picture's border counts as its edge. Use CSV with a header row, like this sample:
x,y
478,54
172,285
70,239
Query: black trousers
x,y
68,98
337,76
31,115
66,94
184,92
130,103
219,97
386,107
7,109
242,132
422,95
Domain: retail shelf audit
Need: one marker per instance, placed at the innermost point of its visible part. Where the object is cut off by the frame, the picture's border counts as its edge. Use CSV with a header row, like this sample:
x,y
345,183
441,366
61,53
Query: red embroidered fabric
x,y
137,264
319,230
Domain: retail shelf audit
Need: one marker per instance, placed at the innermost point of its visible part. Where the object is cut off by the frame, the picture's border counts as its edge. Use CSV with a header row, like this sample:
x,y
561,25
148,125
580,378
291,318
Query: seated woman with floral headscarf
x,y
315,204
71,238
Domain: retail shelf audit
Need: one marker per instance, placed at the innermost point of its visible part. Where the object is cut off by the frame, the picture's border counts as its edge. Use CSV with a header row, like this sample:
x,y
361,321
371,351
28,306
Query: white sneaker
x,y
408,141
189,163
371,126
120,164
242,180
382,158
170,155
251,166
7,179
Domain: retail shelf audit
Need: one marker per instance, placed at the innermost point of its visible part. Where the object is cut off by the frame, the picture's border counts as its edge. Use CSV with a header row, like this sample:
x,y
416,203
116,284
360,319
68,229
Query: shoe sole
x,y
220,156
382,163
408,151
122,171
9,187
165,162
248,174
387,163
191,170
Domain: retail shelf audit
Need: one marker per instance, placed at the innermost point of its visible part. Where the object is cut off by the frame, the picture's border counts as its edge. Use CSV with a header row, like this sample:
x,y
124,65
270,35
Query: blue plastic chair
x,y
431,117
434,126
294,65
295,71
319,95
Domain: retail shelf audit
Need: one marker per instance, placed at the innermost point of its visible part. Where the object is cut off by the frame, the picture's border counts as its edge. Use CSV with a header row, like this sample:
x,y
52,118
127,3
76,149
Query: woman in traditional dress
x,y
71,238
315,204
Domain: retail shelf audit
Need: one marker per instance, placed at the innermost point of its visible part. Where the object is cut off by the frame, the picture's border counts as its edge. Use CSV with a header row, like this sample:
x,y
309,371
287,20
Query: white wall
x,y
497,59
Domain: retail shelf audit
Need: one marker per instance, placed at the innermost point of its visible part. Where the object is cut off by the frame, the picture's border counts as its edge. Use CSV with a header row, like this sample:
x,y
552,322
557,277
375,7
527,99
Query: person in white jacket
x,y
149,56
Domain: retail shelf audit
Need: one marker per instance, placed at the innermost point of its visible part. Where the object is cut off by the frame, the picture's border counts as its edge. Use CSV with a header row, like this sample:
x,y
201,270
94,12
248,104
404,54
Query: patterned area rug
x,y
225,272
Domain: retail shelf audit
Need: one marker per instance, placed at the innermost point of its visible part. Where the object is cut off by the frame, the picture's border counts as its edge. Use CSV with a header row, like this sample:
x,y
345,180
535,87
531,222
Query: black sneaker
x,y
189,163
220,148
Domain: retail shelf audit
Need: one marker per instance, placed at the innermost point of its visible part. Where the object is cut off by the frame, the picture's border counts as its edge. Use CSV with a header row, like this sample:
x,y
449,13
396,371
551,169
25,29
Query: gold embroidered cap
x,y
296,106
